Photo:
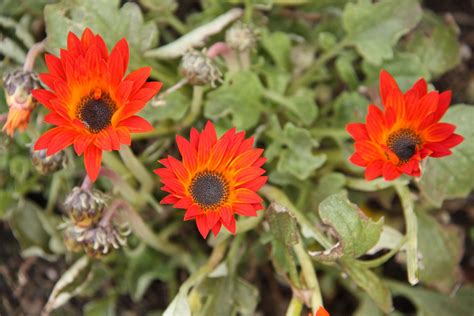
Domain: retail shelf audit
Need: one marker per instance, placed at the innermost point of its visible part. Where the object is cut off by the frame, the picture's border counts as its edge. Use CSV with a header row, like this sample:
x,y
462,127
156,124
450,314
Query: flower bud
x,y
241,37
48,164
199,69
85,207
18,85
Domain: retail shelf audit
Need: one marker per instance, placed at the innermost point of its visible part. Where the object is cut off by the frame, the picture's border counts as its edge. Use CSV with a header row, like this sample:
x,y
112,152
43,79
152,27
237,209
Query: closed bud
x,y
85,207
241,37
199,69
18,85
48,164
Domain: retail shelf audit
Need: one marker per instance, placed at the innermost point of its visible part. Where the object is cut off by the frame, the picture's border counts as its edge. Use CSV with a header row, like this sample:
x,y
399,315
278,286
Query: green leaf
x,y
142,270
298,159
374,28
441,249
239,96
451,177
101,307
349,107
346,71
367,307
179,306
101,16
433,303
357,233
406,68
278,46
370,283
175,107
328,184
436,44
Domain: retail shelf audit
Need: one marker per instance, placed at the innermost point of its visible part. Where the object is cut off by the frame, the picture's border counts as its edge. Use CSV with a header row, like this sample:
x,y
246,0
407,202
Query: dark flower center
x,y
96,111
209,189
403,143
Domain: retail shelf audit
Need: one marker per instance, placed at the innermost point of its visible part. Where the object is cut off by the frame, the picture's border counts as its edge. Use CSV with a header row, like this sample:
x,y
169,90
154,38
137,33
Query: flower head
x,y
48,164
18,87
394,140
321,312
216,178
91,103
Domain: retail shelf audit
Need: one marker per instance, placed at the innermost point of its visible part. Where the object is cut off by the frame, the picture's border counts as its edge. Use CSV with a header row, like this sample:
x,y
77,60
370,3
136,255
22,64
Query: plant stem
x,y
295,307
309,275
306,77
32,54
137,168
86,183
411,231
382,259
274,194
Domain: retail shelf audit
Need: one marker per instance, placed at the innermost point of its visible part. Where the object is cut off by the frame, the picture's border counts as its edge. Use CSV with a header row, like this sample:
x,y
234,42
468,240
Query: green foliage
x,y
314,69
451,177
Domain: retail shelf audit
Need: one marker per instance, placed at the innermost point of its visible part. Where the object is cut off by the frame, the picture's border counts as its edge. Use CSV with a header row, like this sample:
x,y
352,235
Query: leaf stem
x,y
411,231
309,275
295,307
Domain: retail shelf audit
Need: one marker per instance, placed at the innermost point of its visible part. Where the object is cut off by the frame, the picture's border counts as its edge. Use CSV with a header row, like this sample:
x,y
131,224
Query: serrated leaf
x,y
370,283
357,233
441,249
239,96
374,28
451,177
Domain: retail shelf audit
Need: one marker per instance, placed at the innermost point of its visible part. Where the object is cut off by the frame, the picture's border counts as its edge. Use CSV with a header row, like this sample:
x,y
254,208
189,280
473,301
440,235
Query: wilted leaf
x,y
357,233
282,224
374,28
451,177
441,249
179,306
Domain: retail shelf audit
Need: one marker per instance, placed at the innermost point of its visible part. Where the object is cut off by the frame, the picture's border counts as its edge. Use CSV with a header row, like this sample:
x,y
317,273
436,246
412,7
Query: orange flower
x,y
18,87
92,105
321,312
216,178
395,140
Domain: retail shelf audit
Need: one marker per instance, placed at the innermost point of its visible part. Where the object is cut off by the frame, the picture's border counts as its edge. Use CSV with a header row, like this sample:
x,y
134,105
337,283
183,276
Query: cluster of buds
x,y
92,227
199,69
48,164
18,85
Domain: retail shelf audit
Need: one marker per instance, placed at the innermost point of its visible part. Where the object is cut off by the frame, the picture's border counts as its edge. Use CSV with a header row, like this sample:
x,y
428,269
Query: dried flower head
x,y
199,69
92,104
241,37
18,86
100,240
45,164
85,207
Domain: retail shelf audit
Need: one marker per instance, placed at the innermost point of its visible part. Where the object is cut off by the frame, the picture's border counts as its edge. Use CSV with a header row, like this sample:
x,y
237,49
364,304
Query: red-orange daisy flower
x,y
216,178
394,140
321,312
92,105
